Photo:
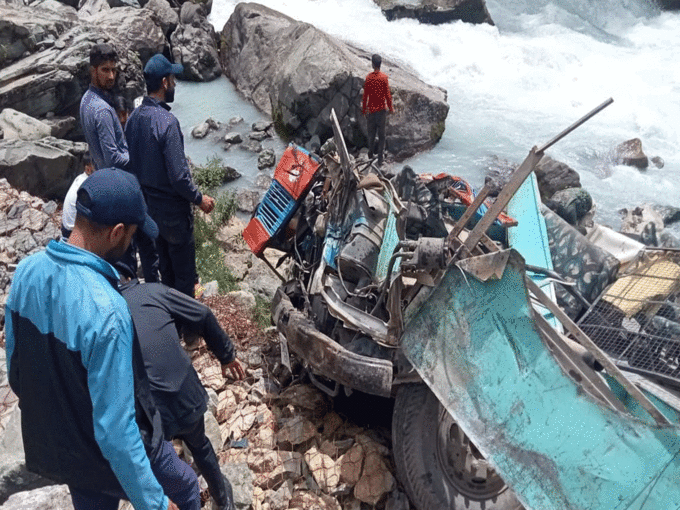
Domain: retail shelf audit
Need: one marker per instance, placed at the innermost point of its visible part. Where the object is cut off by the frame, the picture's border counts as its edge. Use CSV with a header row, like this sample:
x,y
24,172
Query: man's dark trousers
x,y
206,460
176,247
376,123
178,480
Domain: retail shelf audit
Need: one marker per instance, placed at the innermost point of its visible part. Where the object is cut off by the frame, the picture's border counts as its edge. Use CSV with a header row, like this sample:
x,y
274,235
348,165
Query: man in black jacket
x,y
157,311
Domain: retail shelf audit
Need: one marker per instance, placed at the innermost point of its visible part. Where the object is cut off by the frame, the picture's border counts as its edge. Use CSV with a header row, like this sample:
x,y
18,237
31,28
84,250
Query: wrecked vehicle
x,y
412,287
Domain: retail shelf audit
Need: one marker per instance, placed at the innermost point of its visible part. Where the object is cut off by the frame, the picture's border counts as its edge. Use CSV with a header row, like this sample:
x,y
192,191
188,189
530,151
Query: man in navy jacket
x,y
158,160
157,311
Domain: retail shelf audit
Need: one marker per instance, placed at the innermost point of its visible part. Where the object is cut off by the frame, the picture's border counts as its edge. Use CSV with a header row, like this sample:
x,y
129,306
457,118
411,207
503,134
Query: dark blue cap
x,y
159,67
110,196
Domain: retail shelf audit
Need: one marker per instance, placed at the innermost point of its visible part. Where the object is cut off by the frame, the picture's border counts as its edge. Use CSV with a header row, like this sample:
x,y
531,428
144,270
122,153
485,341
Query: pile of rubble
x,y
279,440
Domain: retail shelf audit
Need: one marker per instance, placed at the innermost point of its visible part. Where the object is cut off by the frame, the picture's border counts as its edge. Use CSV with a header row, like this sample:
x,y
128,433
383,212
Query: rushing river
x,y
512,86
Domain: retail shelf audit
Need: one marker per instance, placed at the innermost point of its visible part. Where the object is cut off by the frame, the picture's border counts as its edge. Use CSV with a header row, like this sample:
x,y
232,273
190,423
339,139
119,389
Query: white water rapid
x,y
515,85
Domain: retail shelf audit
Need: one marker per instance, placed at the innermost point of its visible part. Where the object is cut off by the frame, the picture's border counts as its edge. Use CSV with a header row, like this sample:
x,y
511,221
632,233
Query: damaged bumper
x,y
325,356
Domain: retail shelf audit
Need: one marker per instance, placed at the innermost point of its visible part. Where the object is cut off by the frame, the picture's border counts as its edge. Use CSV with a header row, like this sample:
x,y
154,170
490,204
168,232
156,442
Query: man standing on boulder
x,y
101,127
88,418
375,103
157,155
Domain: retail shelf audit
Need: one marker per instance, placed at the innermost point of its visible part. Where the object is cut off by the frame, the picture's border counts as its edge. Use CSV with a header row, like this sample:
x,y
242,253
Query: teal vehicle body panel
x,y
476,345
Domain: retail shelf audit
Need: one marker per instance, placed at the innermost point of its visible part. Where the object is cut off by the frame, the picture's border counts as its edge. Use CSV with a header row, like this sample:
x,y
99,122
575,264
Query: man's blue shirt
x,y
102,130
157,156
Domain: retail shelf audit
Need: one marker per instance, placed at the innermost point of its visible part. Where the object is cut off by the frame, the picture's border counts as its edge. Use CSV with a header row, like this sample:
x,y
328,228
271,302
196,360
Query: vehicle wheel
x,y
436,462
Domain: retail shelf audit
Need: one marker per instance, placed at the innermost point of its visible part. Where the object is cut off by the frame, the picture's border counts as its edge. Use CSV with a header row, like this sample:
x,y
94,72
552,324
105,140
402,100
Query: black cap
x,y
111,196
376,60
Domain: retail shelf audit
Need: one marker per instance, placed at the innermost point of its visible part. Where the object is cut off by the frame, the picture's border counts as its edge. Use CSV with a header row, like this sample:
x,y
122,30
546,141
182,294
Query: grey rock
x,y
212,123
44,168
62,127
23,29
212,430
24,242
200,131
669,213
34,220
124,3
230,174
17,209
669,5
47,234
213,400
132,29
247,200
658,162
251,146
279,499
297,74
192,14
243,299
553,176
435,12
266,159
636,220
211,289
630,153
92,7
262,125
166,15
24,127
571,204
241,478
54,80
258,135
233,137
263,181
56,497
668,240
50,207
195,47
235,120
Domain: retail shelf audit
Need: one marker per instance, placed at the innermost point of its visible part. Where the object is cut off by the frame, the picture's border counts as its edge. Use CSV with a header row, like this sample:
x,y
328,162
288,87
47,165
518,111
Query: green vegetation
x,y
437,130
262,313
209,255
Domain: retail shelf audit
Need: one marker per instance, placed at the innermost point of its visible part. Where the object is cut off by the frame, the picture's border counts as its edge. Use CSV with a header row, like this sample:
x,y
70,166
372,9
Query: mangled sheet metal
x,y
475,343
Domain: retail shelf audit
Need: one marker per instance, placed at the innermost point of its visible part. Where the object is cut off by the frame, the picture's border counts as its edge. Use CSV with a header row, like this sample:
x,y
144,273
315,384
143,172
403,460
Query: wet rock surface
x,y
435,12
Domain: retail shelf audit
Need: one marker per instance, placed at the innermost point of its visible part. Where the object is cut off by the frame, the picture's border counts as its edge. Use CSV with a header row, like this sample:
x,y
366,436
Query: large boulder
x,y
26,30
630,153
194,45
56,497
15,124
553,176
132,29
436,12
297,74
43,168
166,15
55,78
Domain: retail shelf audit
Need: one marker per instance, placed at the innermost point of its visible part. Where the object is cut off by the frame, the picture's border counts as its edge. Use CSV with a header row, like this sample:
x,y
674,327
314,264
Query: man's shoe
x,y
229,504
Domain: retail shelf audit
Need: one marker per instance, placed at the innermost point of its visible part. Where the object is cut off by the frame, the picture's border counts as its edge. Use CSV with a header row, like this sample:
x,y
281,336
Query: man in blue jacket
x,y
101,127
88,419
157,311
158,160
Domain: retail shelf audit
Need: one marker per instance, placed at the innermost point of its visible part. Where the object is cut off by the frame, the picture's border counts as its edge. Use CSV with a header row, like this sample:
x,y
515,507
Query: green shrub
x,y
262,313
209,255
210,176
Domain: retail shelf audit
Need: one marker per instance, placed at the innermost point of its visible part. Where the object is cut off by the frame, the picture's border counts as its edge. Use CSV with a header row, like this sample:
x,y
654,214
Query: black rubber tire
x,y
416,437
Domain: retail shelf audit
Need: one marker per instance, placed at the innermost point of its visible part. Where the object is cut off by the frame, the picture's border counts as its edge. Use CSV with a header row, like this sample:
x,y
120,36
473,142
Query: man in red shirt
x,y
375,102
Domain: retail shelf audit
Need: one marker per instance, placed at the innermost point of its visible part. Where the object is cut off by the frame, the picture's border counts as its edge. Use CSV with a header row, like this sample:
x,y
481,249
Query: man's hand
x,y
207,204
171,505
236,370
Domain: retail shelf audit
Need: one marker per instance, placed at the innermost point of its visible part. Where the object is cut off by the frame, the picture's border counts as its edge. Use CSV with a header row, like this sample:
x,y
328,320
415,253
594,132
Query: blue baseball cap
x,y
159,67
110,196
